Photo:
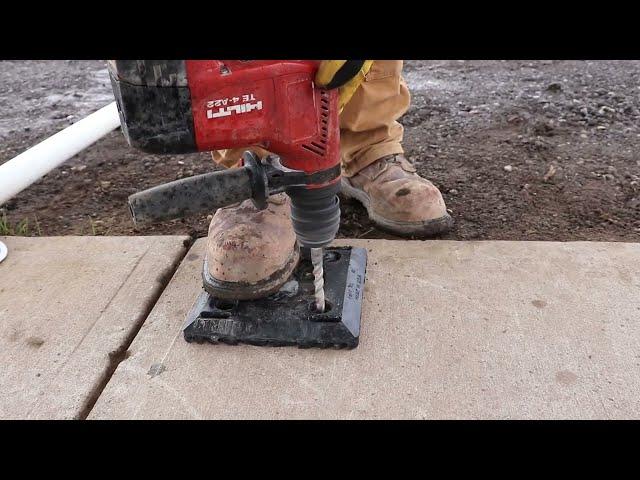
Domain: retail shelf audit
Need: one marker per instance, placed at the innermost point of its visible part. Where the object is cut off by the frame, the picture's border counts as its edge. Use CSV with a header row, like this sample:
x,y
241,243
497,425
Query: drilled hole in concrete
x,y
224,304
215,314
327,307
306,272
332,256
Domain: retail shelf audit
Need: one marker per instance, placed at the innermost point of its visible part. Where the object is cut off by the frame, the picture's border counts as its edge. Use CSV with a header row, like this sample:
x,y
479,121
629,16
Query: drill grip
x,y
192,195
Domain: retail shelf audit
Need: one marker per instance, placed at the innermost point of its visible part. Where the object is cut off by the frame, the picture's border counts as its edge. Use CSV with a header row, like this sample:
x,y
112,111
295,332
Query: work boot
x,y
398,199
250,253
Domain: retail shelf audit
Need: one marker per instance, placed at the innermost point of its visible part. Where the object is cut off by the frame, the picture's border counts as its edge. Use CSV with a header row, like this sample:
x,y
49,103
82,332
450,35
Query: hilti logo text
x,y
230,105
241,108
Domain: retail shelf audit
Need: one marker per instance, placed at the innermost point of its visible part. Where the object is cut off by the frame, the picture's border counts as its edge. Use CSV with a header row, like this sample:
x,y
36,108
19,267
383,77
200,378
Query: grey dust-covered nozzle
x,y
154,103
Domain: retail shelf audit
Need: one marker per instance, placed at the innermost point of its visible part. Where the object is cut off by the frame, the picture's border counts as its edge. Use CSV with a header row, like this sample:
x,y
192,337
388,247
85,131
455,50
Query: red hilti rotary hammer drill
x,y
184,106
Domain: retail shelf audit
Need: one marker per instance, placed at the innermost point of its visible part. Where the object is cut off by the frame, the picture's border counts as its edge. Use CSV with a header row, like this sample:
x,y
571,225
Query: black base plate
x,y
288,317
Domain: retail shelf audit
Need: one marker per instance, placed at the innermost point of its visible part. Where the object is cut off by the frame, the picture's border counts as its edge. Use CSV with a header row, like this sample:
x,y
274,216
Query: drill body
x,y
184,106
203,105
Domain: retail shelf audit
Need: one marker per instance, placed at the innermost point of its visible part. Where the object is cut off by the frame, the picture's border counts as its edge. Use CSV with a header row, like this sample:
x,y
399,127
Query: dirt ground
x,y
521,150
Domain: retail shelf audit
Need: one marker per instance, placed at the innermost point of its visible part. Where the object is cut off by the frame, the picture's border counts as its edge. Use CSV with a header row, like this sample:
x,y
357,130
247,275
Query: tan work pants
x,y
369,129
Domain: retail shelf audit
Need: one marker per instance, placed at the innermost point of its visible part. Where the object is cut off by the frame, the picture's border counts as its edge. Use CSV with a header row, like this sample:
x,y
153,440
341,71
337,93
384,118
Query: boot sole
x,y
425,228
249,291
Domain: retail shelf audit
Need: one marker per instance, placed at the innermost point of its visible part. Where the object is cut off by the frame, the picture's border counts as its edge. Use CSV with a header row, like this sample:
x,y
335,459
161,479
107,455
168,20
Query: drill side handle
x,y
190,196
257,180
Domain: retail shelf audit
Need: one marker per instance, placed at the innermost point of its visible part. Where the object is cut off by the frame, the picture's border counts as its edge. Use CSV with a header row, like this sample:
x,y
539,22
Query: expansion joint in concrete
x,y
116,357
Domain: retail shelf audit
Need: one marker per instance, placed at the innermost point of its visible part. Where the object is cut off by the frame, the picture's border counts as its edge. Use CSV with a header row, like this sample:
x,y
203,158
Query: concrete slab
x,y
68,307
450,330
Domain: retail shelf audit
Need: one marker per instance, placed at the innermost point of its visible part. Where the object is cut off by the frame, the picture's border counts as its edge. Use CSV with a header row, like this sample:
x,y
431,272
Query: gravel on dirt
x,y
521,150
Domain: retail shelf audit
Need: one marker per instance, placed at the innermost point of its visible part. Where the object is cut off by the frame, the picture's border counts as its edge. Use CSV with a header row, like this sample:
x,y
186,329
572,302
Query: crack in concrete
x,y
122,353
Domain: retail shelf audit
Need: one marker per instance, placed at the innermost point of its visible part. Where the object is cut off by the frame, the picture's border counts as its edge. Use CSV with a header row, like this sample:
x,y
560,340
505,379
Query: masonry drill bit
x,y
318,278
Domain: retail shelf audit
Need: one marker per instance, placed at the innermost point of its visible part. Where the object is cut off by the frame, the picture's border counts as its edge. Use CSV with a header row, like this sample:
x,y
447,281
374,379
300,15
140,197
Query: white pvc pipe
x,y
30,166
3,251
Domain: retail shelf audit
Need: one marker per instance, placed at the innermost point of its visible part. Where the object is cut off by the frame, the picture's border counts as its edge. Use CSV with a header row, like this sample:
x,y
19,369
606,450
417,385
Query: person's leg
x,y
369,128
376,173
231,157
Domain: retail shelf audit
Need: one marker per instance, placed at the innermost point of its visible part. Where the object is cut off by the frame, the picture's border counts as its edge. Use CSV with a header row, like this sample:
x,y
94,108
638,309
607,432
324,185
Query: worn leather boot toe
x,y
250,253
398,199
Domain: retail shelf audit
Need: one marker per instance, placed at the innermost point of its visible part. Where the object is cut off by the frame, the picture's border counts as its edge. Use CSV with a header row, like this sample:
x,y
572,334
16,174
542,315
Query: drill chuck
x,y
315,214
